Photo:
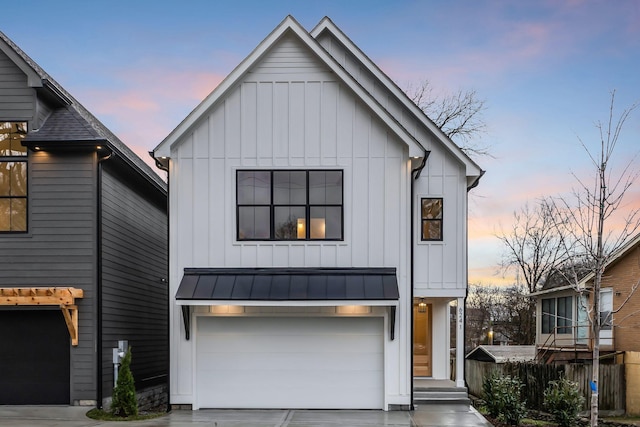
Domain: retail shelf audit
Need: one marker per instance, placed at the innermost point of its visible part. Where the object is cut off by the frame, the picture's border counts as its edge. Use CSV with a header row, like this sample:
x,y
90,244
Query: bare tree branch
x,y
458,115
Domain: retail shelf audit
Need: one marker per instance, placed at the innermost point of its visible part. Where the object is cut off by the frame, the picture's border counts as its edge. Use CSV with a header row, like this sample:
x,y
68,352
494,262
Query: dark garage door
x,y
34,356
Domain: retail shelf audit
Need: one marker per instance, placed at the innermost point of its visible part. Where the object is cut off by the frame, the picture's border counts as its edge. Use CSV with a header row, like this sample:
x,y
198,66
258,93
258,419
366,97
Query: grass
x,y
102,415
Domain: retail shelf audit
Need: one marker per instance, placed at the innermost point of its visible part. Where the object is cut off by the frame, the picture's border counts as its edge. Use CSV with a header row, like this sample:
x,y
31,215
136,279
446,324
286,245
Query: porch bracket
x,y
65,298
70,313
392,322
186,318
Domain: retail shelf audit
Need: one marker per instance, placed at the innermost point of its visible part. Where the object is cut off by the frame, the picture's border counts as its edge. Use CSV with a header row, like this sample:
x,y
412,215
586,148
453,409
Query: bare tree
x,y
588,216
506,311
516,318
534,245
481,306
458,115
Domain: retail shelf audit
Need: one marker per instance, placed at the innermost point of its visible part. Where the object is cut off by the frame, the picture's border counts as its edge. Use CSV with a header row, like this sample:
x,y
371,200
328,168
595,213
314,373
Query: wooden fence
x,y
536,377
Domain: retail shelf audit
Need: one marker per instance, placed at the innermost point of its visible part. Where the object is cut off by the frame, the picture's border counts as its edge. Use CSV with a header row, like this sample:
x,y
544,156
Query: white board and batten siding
x,y
290,112
440,266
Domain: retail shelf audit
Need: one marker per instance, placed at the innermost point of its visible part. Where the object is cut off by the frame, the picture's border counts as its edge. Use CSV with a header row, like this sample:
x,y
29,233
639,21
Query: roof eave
x,y
473,170
288,24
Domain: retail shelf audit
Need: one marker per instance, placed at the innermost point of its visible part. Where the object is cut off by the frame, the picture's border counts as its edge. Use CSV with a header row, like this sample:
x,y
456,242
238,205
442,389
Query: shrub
x,y
124,402
563,400
502,397
492,403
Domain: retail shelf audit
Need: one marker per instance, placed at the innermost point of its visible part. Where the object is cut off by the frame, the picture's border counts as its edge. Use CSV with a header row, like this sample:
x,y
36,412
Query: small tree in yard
x,y
587,221
124,402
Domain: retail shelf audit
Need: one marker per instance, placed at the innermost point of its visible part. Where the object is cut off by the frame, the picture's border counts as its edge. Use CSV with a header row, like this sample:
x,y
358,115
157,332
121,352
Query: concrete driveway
x,y
425,415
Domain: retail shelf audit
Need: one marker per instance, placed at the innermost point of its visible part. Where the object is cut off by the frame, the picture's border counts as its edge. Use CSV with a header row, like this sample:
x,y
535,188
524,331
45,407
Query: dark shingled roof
x,y
288,284
87,127
65,125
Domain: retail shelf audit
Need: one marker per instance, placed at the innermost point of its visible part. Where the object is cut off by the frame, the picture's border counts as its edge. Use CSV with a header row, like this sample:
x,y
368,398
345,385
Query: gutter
x,y
99,394
415,174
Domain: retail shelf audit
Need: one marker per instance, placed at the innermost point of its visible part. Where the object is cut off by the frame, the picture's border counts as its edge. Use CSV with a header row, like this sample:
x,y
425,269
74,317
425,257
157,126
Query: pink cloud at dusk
x,y
154,111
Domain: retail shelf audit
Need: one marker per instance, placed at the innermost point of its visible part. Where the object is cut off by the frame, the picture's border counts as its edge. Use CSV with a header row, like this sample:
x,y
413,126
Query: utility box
x,y
118,354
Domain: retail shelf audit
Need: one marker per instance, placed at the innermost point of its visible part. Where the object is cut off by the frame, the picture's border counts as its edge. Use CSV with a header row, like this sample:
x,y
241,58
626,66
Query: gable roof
x,y
613,259
503,353
288,26
70,122
473,171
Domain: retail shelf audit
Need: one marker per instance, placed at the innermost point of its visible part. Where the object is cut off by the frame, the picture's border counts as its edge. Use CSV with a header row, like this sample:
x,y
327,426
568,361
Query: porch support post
x,y
460,344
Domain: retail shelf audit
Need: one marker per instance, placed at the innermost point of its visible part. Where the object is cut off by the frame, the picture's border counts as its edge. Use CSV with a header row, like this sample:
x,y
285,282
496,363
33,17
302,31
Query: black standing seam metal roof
x,y
288,284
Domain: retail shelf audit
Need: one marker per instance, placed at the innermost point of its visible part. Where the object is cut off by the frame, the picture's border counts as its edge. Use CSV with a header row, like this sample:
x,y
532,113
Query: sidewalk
x,y
423,416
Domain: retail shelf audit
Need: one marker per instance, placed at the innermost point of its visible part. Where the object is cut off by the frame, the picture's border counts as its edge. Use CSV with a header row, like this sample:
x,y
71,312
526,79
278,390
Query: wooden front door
x,y
422,351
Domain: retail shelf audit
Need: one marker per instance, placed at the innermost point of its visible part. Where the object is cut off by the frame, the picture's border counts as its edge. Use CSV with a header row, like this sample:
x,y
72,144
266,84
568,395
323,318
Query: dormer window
x,y
13,178
289,204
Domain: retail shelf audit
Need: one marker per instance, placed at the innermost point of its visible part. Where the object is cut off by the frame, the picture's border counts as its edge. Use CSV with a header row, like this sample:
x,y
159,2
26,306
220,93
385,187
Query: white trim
x,y
472,169
289,24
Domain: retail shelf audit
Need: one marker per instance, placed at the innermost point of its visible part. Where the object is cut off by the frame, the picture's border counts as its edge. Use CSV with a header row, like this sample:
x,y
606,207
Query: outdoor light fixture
x,y
422,306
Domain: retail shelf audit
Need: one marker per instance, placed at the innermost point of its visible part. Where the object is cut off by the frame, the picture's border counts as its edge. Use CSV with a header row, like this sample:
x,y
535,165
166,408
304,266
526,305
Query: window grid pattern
x,y
13,178
431,219
289,205
557,315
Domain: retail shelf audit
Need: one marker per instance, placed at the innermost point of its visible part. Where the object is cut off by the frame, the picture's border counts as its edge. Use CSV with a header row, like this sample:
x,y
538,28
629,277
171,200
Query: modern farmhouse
x,y
318,234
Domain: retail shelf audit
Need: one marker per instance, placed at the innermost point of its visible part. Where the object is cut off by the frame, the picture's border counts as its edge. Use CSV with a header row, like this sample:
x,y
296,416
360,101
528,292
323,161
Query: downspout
x,y
99,393
473,185
415,174
165,167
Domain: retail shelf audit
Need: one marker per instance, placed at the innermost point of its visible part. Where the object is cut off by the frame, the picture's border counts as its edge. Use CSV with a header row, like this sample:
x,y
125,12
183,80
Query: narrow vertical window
x,y
606,309
548,315
431,214
13,178
565,315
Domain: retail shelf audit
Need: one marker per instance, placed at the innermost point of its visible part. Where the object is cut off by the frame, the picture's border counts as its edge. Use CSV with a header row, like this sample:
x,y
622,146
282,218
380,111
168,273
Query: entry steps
x,y
428,395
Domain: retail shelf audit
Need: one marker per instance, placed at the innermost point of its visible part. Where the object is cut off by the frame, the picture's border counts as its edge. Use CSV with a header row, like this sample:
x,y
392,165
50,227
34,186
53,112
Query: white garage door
x,y
278,362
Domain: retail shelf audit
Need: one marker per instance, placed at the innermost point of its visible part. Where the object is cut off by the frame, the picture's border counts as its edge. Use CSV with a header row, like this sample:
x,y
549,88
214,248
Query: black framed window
x,y
431,217
13,178
289,204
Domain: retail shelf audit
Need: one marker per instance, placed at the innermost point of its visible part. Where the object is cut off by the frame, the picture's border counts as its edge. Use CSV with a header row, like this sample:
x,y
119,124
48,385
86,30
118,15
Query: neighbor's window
x,y
289,205
557,315
431,213
606,309
548,315
13,178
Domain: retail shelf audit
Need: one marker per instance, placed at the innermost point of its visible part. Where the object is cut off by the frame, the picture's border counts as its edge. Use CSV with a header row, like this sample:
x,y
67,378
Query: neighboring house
x,y
563,331
318,224
83,247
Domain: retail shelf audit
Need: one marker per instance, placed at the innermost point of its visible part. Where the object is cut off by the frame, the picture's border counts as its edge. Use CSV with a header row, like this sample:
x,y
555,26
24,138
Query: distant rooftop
x,y
503,353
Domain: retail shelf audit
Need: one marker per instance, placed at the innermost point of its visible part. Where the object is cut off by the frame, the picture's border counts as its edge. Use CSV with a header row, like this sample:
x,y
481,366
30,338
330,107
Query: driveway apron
x,y
423,416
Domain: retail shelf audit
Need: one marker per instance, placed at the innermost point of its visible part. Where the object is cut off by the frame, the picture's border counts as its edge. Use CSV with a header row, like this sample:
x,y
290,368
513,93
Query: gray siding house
x,y
83,247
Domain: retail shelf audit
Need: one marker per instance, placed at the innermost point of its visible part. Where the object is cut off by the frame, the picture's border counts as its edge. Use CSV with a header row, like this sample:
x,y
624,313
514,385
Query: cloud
x,y
143,106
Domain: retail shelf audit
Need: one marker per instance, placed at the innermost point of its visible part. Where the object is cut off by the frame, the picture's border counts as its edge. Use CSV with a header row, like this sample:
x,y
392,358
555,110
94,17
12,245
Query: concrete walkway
x,y
423,416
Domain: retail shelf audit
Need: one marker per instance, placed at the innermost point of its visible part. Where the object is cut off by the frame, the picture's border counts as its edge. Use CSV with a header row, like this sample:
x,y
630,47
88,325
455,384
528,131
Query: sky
x,y
545,68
